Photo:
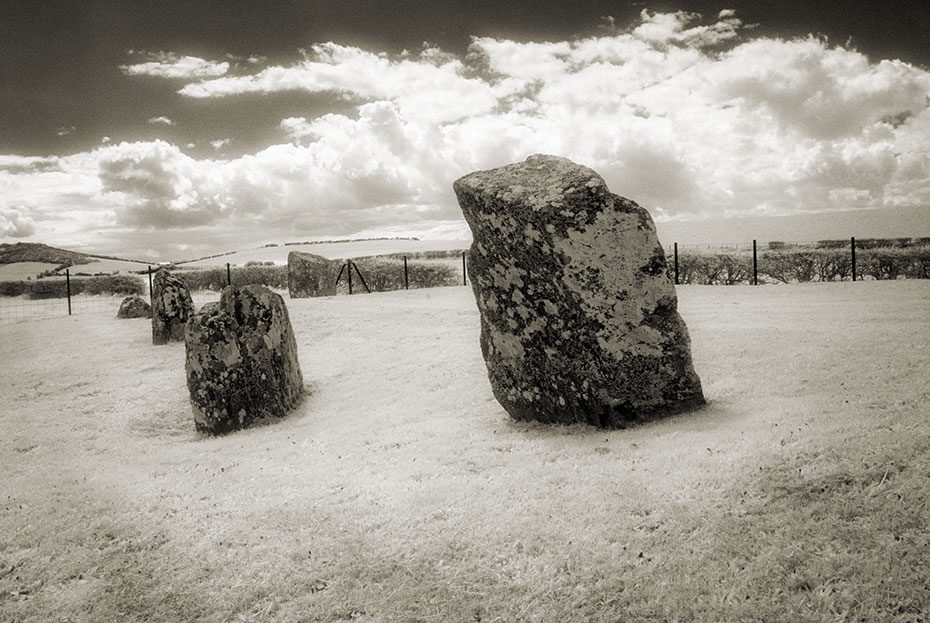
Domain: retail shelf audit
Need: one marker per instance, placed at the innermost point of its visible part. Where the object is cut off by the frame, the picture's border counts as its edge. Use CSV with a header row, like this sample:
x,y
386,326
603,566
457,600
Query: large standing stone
x,y
171,307
579,319
134,306
242,360
310,275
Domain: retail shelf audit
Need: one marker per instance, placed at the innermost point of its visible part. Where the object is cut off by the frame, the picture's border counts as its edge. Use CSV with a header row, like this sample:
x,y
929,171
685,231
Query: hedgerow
x,y
800,265
215,279
58,288
383,275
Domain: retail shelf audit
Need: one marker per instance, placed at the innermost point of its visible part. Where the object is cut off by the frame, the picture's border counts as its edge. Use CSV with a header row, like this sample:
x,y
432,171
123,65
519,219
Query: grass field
x,y
399,490
21,271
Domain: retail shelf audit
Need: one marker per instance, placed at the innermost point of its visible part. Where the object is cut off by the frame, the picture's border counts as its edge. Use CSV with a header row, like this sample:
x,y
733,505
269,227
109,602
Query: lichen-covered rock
x,y
579,320
171,308
134,306
310,275
241,360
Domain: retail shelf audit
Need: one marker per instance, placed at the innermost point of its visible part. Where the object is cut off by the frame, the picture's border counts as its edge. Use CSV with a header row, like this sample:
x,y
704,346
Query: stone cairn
x,y
134,306
310,275
171,308
579,320
241,360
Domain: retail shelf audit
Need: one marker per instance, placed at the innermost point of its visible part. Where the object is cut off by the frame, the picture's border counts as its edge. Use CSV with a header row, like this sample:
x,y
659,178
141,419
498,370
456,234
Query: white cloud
x,y
169,65
164,120
432,85
690,119
15,223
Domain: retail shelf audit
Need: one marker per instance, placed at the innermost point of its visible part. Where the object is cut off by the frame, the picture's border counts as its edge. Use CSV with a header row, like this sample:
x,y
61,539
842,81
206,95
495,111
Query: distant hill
x,y
38,252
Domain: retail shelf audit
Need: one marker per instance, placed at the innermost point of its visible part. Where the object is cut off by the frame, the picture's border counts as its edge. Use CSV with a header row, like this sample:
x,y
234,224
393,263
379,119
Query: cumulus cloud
x,y
692,118
159,187
170,65
15,223
431,84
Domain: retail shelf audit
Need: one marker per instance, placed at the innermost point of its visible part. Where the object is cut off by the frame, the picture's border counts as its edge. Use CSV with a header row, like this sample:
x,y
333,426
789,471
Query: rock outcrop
x,y
579,320
310,275
134,306
171,308
241,361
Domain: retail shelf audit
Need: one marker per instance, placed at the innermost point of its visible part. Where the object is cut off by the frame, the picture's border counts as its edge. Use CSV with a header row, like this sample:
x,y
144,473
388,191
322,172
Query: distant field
x,y
399,490
21,271
108,266
333,250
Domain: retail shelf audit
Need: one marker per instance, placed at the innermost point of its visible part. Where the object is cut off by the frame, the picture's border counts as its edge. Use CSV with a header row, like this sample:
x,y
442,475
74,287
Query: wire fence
x,y
798,262
706,264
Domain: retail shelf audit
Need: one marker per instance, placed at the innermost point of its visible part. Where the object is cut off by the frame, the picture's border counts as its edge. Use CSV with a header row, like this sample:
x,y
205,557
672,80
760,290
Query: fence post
x,y
150,284
676,263
349,262
852,247
68,288
755,265
406,282
228,275
360,276
464,274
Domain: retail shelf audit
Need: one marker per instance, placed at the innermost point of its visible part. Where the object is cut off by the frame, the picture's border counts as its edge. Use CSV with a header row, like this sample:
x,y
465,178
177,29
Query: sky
x,y
176,129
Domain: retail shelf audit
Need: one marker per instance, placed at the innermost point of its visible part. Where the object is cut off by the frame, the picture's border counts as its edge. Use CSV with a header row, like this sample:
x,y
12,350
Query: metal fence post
x,y
676,263
68,288
852,247
755,265
406,282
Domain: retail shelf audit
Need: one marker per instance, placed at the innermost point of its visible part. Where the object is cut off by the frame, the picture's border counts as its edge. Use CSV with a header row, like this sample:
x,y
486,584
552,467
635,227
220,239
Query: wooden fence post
x,y
852,247
676,263
150,284
68,288
464,274
406,283
755,265
228,275
360,276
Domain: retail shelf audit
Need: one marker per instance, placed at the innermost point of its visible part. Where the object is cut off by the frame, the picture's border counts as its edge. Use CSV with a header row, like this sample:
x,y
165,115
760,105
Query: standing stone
x,y
134,306
242,360
171,307
579,320
310,275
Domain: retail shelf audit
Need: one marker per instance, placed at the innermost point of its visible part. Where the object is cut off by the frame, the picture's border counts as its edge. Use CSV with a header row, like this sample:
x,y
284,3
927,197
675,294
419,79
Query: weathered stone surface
x,y
241,360
171,307
579,320
134,306
310,275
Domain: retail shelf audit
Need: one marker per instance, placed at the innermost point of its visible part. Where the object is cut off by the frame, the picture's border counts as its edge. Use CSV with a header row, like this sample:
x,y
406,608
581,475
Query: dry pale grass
x,y
400,491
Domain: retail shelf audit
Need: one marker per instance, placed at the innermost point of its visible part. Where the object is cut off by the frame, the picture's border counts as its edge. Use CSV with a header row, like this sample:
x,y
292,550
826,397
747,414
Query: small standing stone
x,y
310,275
579,320
242,360
134,306
171,308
